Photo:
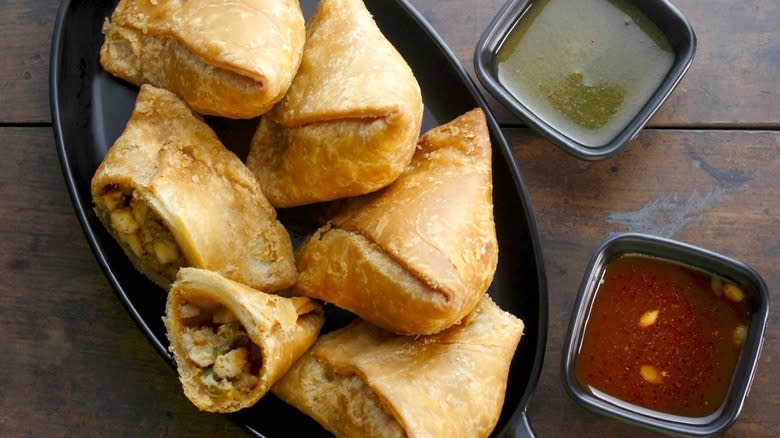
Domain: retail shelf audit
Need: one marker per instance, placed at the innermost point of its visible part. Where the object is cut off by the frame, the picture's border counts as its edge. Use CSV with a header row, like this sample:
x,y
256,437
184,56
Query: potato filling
x,y
141,230
215,341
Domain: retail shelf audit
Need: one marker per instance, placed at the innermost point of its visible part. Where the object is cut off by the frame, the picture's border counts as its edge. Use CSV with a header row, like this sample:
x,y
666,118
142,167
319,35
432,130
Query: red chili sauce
x,y
663,336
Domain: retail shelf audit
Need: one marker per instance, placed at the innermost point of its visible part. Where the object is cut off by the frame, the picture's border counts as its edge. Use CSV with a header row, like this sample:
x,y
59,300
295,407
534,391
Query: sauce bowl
x,y
562,128
699,261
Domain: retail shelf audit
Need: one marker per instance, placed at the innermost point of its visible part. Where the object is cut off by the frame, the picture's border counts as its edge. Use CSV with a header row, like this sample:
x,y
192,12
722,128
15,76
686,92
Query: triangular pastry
x,y
172,196
231,58
350,121
361,381
416,256
231,342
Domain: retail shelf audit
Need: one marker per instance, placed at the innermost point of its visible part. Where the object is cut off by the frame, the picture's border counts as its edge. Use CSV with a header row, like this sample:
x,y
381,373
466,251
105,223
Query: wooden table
x,y
706,171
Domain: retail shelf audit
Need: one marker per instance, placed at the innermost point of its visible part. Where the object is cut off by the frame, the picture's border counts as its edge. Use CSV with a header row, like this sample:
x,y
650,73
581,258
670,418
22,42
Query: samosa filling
x,y
215,341
139,228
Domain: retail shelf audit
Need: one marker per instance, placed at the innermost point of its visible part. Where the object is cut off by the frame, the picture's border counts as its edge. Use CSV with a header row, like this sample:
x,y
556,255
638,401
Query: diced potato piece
x,y
232,364
134,243
139,210
246,382
229,331
146,236
166,251
122,221
199,345
733,292
188,311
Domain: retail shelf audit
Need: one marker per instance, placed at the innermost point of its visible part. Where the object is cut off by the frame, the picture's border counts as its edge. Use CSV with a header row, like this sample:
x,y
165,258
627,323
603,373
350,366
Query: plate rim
x,y
518,419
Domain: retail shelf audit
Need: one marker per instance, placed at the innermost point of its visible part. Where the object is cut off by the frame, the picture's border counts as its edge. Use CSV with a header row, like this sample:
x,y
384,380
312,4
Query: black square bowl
x,y
661,12
698,259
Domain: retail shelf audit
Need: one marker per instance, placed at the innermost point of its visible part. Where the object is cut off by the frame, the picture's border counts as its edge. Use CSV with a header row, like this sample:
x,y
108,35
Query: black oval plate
x,y
90,109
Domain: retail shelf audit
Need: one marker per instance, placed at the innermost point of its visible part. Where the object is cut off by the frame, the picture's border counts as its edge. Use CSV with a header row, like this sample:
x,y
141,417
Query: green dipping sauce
x,y
586,67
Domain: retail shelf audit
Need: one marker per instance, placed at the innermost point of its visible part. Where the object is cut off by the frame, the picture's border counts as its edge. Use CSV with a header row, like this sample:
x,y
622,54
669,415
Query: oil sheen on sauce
x,y
586,67
663,336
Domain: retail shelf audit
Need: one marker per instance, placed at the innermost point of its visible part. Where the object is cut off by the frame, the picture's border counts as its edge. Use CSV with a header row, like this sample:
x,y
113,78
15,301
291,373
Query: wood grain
x,y
734,79
76,364
79,366
25,36
714,189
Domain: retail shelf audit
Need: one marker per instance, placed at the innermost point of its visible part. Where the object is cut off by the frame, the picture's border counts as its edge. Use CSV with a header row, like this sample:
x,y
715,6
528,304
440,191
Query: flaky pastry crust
x,y
279,329
361,381
203,198
416,256
349,123
231,58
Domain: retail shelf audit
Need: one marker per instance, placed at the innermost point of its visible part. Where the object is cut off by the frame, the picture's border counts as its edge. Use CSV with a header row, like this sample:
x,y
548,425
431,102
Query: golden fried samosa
x,y
231,58
350,121
361,381
231,342
416,256
172,196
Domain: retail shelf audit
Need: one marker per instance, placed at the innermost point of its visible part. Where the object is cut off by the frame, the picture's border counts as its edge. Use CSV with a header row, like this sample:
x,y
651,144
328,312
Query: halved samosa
x,y
172,196
350,121
232,58
232,342
361,381
416,256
